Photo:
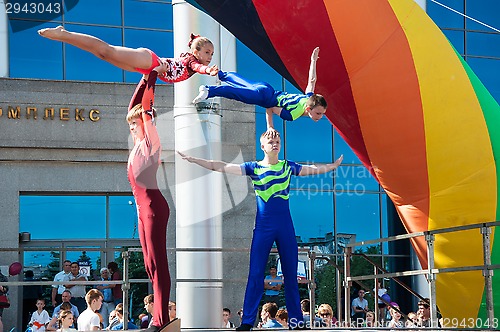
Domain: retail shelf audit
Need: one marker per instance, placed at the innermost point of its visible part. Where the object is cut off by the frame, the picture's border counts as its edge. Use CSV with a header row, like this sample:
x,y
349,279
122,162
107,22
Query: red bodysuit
x,y
180,69
152,208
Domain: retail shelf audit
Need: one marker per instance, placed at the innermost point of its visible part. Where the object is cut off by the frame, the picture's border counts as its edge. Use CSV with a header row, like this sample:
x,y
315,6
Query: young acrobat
x,y
142,60
273,222
288,106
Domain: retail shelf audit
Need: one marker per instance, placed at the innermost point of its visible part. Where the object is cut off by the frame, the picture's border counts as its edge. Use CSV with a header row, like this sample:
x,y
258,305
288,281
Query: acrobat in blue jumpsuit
x,y
259,93
273,223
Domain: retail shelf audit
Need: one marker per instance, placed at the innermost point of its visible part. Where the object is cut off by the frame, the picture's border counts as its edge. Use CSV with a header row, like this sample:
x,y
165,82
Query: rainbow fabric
x,y
407,104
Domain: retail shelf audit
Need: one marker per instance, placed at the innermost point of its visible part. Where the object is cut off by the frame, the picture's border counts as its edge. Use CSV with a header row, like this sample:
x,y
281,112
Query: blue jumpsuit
x,y
273,223
259,93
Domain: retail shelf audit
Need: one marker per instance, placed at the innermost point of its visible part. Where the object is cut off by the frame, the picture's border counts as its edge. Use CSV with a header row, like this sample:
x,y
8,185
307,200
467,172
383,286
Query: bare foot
x,y
52,33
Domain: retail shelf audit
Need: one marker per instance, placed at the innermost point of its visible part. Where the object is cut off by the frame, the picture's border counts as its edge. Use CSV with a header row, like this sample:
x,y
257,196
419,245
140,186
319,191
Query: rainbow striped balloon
x,y
407,104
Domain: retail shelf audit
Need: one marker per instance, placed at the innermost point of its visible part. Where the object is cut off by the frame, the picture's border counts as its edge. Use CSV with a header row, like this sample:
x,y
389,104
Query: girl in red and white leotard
x,y
142,60
152,207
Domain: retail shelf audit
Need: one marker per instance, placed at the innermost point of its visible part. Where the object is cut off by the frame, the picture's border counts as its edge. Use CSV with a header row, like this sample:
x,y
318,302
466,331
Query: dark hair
x,y
272,267
304,305
113,266
226,310
425,303
29,274
316,100
271,308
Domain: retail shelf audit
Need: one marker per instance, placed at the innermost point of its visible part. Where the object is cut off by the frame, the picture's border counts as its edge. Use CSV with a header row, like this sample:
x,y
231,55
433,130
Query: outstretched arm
x,y
313,169
269,120
214,165
202,69
311,83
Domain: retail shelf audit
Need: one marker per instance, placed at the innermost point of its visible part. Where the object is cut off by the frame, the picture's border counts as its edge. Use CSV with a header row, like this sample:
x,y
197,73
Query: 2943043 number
x,y
33,8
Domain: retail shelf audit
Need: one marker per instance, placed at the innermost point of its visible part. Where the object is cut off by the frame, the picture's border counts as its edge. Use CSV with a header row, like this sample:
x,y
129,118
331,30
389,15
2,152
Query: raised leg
x,y
122,57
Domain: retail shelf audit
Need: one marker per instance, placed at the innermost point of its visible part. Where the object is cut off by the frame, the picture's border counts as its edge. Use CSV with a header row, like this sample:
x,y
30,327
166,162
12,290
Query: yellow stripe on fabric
x,y
462,179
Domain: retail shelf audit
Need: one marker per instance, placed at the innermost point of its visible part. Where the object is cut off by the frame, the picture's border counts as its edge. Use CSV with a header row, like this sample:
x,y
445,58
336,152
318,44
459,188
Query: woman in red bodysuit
x,y
152,208
142,60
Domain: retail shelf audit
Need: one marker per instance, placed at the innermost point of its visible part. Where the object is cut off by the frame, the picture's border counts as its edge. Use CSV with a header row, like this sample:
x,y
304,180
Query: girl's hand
x,y
315,54
184,156
213,70
162,67
271,133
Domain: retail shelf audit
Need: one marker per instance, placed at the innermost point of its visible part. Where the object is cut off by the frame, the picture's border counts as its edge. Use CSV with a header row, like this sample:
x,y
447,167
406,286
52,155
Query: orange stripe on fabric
x,y
386,92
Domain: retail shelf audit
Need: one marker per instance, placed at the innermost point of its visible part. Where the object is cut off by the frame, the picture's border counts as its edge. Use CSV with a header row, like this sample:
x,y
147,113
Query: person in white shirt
x,y
226,314
57,290
40,317
89,320
77,291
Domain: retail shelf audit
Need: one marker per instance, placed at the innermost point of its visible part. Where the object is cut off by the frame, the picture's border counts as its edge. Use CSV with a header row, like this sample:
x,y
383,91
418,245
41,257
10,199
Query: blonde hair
x,y
135,112
325,307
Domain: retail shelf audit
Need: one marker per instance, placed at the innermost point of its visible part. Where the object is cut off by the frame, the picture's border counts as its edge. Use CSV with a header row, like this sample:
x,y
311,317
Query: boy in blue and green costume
x,y
288,106
273,222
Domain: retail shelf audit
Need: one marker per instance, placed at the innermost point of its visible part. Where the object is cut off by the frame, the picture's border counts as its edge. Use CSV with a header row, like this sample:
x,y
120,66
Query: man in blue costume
x,y
273,222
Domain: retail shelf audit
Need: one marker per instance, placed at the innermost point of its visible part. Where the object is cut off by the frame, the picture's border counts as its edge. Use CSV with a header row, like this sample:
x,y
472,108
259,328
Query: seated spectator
x,y
395,322
112,320
325,312
424,313
66,298
282,318
226,323
305,307
119,314
149,305
359,308
412,320
268,316
370,320
65,321
53,325
172,310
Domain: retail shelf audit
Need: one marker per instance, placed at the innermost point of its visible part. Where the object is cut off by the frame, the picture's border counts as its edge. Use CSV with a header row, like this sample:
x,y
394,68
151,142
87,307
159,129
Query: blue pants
x,y
238,88
275,228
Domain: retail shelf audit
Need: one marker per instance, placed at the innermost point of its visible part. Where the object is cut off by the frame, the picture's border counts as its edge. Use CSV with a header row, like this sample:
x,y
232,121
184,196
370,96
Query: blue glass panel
x,y
161,43
145,14
446,18
355,178
485,11
63,217
487,70
385,230
358,214
309,141
483,44
31,56
312,213
252,67
107,12
82,65
75,256
313,183
122,217
456,38
341,147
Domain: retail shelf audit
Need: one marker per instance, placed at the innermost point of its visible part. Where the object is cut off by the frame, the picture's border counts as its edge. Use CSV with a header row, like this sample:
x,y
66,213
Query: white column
x,y
198,191
422,3
4,41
